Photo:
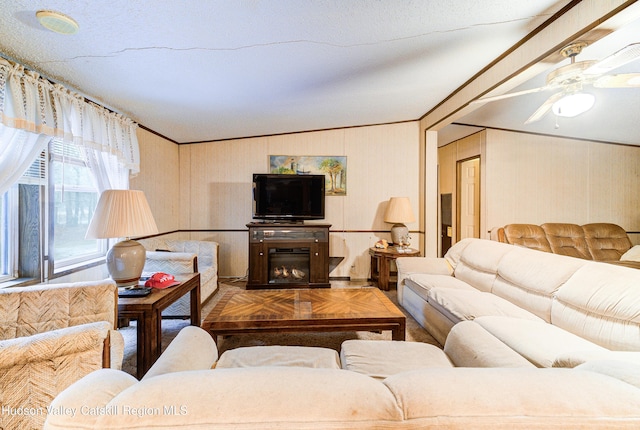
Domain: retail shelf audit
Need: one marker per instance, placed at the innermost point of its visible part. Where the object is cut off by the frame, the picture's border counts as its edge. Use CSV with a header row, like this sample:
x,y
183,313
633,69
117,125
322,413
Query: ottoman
x,y
276,355
382,358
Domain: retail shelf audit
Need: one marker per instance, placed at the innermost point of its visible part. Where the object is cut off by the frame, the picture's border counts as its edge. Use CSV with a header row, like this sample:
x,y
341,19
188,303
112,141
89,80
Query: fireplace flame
x,y
284,272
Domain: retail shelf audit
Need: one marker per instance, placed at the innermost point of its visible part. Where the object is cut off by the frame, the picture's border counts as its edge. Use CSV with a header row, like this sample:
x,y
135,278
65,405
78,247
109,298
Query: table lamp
x,y
398,212
122,214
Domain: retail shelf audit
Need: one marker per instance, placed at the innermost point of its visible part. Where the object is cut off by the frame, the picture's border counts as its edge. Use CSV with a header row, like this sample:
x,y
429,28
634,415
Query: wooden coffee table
x,y
305,310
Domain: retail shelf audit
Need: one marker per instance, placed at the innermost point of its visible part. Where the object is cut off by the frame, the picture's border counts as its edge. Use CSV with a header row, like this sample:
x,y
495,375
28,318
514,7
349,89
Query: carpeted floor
x,y
171,327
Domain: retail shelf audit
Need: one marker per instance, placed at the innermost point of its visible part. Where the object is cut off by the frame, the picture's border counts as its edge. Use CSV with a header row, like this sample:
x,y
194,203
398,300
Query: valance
x,y
34,104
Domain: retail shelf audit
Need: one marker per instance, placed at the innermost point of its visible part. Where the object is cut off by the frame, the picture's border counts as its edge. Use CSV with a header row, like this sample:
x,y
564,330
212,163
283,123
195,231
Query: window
x,y
20,224
74,198
44,217
8,240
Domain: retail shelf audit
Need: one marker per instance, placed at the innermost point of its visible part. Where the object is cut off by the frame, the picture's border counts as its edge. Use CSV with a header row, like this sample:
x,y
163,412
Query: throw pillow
x,y
631,255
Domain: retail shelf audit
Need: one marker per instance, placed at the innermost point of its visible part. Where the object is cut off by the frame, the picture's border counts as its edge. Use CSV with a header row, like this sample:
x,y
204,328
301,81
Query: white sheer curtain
x,y
18,149
33,110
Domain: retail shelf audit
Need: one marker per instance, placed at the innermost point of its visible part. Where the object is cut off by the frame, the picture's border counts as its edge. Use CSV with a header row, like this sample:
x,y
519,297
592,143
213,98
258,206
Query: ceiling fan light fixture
x,y
573,104
57,22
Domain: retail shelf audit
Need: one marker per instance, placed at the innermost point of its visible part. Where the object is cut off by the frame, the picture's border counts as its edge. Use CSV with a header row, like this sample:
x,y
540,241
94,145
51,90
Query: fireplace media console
x,y
288,255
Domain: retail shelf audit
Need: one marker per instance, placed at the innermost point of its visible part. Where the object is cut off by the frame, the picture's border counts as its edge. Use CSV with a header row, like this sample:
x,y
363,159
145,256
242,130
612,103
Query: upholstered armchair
x,y
183,256
51,336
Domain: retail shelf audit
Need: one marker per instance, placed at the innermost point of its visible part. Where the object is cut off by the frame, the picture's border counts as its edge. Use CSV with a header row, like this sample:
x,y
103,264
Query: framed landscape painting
x,y
333,167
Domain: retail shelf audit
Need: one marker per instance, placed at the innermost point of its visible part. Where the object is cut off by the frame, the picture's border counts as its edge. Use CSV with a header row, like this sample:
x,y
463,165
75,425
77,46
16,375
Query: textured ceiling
x,y
198,70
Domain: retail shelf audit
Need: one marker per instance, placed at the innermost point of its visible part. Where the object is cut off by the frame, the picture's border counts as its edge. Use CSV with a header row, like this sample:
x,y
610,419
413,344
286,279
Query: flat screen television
x,y
288,197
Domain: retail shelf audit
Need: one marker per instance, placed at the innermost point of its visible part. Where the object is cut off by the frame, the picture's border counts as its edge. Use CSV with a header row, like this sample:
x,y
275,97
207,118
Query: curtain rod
x,y
67,86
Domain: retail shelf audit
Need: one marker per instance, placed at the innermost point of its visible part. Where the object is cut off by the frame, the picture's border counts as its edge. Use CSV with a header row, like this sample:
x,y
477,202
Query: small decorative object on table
x,y
382,244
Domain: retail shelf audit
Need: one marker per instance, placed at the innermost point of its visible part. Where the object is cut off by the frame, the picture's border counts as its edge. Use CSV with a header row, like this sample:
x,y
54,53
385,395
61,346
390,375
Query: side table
x,y
380,263
147,311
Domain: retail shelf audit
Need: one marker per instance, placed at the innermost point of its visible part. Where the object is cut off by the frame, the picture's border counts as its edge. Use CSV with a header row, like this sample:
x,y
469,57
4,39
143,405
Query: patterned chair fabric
x,y
184,256
51,336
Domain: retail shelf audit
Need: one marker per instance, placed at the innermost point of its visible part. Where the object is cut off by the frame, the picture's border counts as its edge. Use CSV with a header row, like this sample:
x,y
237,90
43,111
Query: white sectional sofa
x,y
509,306
280,392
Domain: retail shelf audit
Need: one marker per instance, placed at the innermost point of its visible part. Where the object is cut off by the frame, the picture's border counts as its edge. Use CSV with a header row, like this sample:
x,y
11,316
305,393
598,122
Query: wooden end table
x,y
381,263
147,311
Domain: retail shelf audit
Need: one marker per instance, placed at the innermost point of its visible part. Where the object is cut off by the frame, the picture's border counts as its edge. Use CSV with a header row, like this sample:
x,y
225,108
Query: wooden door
x,y
469,198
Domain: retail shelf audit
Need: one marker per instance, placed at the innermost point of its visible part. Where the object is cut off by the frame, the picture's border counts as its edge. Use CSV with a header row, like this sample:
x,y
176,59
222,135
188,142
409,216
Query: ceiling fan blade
x,y
546,106
615,60
624,80
509,95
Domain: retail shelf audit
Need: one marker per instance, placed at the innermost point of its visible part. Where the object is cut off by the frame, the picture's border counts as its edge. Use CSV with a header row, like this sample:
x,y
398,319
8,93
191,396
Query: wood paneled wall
x,y
211,188
537,179
528,178
159,178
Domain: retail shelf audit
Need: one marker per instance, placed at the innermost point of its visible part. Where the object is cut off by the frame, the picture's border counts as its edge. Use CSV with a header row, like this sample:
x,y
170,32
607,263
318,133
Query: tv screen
x,y
288,197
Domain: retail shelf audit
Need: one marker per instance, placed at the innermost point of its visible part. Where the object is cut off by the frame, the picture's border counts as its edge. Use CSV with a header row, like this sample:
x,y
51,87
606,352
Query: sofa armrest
x,y
171,262
192,349
91,393
430,265
50,361
116,349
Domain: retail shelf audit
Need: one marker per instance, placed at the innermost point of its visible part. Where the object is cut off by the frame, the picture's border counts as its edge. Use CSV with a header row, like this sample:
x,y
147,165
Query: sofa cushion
x,y
529,278
256,398
277,355
567,239
470,345
479,261
493,398
537,341
606,242
382,358
527,235
461,305
601,303
625,371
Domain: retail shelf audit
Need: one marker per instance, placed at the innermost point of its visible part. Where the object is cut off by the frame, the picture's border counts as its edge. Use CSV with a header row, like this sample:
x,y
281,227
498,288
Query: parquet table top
x,y
330,309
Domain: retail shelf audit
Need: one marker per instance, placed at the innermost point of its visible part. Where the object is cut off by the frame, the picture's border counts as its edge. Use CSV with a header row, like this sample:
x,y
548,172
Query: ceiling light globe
x,y
57,22
573,104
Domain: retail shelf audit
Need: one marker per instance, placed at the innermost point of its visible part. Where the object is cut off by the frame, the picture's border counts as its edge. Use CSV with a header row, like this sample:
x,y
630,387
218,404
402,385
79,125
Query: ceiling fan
x,y
570,100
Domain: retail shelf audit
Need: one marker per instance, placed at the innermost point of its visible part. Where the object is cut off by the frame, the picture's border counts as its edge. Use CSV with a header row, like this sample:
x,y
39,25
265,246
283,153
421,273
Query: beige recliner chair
x,y
51,336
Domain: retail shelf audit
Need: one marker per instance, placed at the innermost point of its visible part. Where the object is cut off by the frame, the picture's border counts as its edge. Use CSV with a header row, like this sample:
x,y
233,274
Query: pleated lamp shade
x,y
398,212
123,213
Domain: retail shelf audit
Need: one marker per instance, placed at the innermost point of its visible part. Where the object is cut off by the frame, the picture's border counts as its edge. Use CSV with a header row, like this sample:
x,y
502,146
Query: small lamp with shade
x,y
397,213
123,214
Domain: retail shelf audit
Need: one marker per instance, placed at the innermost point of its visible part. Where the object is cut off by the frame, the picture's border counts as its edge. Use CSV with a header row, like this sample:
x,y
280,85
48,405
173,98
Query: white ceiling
x,y
614,117
196,70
